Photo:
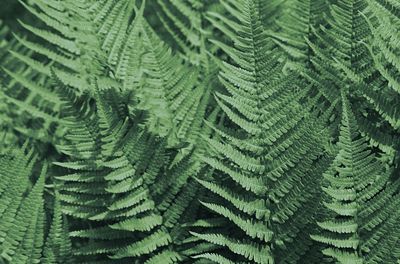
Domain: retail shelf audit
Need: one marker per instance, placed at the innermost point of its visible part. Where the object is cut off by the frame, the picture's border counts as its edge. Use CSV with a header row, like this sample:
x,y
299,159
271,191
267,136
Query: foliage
x,y
172,131
362,201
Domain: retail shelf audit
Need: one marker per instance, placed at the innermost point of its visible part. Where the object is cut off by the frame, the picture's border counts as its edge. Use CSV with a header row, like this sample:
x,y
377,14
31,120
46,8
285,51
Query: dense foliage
x,y
200,131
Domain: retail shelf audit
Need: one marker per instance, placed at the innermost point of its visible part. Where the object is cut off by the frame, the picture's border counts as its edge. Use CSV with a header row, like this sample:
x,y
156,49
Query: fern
x,y
297,27
382,25
183,23
358,187
22,224
341,49
257,159
199,132
116,174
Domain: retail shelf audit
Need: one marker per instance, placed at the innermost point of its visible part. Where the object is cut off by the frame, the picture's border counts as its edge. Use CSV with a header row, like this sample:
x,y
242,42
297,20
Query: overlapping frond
x,y
341,49
383,23
259,166
183,25
172,131
106,186
116,182
358,187
13,72
77,40
22,217
167,89
296,27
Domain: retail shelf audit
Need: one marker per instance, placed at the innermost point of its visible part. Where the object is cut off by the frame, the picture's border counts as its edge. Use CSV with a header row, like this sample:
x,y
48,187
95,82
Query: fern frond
x,y
357,186
296,24
262,187
58,247
22,224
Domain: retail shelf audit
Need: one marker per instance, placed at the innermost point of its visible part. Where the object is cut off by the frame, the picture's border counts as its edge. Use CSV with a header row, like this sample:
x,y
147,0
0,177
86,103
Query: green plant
x,y
230,131
362,201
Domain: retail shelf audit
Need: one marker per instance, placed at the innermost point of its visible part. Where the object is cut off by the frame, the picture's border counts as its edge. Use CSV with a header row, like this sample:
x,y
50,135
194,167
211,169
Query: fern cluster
x,y
197,131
